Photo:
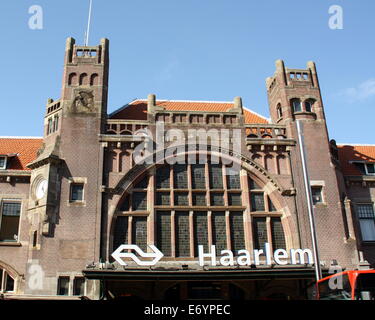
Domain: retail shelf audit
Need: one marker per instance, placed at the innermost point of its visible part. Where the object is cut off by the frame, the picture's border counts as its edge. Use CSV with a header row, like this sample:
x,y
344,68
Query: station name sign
x,y
226,258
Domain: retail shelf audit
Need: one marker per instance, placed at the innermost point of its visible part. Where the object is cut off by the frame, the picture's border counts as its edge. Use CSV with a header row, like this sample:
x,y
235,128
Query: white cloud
x,y
363,91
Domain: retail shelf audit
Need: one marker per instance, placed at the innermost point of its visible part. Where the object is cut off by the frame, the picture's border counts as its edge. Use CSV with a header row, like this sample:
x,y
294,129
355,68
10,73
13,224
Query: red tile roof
x,y
25,149
355,153
137,110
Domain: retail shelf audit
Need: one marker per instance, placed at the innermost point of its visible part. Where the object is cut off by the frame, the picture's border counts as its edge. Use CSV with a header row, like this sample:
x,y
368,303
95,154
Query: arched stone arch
x,y
257,172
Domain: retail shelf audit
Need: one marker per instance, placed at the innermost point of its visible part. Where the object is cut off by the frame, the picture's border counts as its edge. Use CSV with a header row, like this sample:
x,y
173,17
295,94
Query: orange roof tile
x,y
25,148
137,110
355,153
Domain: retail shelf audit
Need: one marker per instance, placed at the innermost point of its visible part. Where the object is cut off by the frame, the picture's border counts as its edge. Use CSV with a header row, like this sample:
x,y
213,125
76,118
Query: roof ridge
x,y
356,144
19,137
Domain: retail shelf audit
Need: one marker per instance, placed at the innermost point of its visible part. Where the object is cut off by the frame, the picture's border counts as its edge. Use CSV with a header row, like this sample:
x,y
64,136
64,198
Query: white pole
x,y
318,271
88,26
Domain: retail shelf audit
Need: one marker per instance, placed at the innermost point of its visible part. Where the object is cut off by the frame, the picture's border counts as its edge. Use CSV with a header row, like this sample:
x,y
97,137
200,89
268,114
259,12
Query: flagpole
x,y
88,26
318,271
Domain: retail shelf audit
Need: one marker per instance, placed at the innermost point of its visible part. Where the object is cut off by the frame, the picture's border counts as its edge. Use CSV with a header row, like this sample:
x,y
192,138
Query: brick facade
x,y
176,207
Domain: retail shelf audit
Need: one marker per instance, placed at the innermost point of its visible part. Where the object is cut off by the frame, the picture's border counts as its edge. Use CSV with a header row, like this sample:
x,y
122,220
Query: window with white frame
x,y
317,194
366,218
367,169
3,163
10,212
6,281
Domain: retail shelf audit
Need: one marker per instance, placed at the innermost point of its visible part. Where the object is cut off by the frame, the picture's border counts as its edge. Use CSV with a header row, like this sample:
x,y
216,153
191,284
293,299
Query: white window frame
x,y
19,222
365,165
359,219
5,162
5,275
367,173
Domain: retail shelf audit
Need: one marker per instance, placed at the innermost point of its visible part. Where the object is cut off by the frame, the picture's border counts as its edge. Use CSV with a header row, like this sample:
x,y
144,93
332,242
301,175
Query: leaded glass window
x,y
163,198
180,176
219,233
217,199
164,232
278,238
257,201
182,234
198,176
163,178
234,199
200,231
181,199
216,176
139,201
139,232
199,199
260,232
237,231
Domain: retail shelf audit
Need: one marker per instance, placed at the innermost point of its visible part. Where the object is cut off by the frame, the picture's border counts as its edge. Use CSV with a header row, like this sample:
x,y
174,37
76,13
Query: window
x,y
121,232
162,178
139,232
367,169
76,192
234,199
261,228
233,179
308,105
316,192
216,176
6,281
3,163
370,169
198,176
199,199
200,231
79,286
237,231
182,234
366,217
279,111
296,104
164,233
63,286
163,199
217,199
9,220
180,177
257,201
139,201
181,199
219,231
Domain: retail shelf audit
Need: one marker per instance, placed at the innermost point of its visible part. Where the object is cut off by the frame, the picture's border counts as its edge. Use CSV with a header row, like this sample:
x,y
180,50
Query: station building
x,y
68,200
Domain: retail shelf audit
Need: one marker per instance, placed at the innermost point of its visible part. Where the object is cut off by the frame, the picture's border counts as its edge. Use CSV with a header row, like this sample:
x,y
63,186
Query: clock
x,y
41,189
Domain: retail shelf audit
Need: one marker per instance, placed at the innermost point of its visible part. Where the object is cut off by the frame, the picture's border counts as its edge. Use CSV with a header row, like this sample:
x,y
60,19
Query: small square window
x,y
63,286
3,163
76,192
317,195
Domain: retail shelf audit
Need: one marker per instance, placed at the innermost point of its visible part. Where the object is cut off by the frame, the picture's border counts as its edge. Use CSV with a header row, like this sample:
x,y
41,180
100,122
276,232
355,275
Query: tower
x,y
294,94
66,180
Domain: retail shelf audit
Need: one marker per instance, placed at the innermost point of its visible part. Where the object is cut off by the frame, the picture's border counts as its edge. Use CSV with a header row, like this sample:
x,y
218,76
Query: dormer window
x,y
3,163
367,169
296,104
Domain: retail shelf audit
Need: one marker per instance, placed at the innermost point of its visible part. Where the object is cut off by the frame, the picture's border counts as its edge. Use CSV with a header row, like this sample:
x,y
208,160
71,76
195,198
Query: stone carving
x,y
83,102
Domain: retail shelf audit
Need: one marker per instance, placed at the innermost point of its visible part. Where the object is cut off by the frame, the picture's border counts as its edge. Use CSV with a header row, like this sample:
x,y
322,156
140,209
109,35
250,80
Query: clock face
x,y
41,189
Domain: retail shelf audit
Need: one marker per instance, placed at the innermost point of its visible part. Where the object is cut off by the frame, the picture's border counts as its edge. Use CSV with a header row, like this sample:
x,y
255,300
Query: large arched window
x,y
178,207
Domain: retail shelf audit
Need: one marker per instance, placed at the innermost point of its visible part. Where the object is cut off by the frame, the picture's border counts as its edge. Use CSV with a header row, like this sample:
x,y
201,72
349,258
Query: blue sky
x,y
193,50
